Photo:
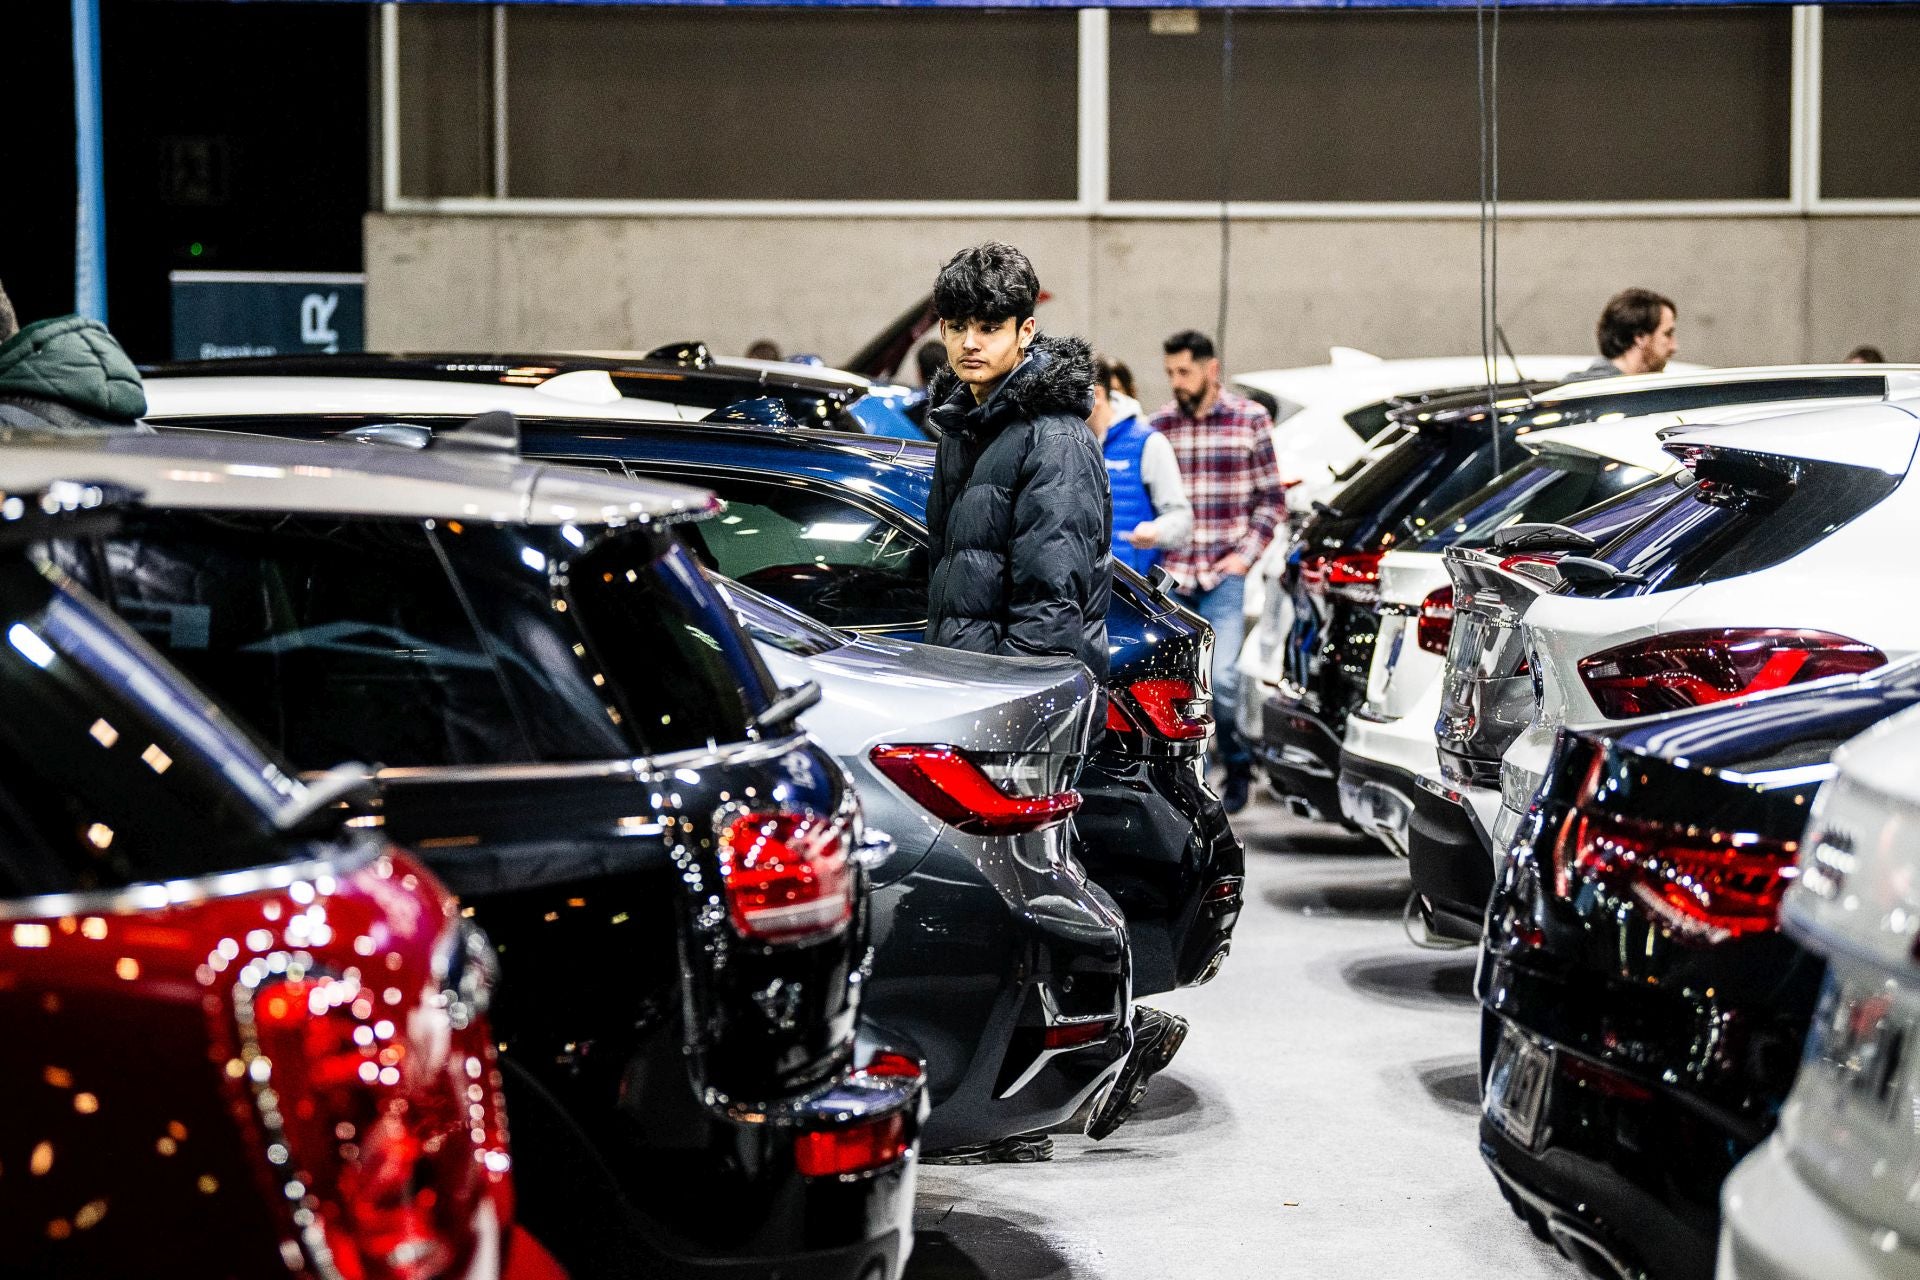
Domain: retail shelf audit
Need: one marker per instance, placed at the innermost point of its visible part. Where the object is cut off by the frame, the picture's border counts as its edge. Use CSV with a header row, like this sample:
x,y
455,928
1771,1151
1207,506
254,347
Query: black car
x,y
1643,1014
834,525
1333,575
580,741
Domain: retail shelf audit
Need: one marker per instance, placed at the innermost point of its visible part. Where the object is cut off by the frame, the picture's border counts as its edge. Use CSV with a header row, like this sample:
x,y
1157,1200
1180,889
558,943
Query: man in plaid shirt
x,y
1224,445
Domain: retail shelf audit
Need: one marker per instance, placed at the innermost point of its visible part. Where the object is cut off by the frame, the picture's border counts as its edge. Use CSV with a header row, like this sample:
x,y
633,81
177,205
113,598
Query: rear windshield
x,y
770,622
113,770
1709,531
1370,420
1547,489
1386,487
1628,404
412,643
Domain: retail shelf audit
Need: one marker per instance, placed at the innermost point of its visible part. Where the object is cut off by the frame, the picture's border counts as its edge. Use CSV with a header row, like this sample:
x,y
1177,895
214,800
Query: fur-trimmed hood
x,y
1055,378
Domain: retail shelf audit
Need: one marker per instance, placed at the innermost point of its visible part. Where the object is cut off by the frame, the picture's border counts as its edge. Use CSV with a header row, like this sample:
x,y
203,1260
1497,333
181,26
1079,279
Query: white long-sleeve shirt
x,y
1172,512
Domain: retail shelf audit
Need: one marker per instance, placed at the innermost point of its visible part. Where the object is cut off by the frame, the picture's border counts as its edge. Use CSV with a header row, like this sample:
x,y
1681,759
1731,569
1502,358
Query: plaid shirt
x,y
1226,459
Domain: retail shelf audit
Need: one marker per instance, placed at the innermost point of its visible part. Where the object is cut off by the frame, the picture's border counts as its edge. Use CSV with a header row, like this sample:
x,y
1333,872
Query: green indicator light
x,y
196,249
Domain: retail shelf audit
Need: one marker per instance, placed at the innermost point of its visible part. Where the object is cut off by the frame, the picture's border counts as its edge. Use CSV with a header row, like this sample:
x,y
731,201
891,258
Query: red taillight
x,y
1173,707
892,1066
1693,668
1117,720
1705,886
1223,891
1077,1035
389,1123
957,791
859,1147
1356,576
1604,1080
1435,626
787,874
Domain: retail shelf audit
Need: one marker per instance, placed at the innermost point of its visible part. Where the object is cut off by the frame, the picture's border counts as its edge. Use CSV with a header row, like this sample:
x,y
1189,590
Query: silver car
x,y
995,957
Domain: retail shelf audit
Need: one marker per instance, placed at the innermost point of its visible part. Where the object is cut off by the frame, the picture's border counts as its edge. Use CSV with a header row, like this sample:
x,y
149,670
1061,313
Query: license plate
x,y
1517,1086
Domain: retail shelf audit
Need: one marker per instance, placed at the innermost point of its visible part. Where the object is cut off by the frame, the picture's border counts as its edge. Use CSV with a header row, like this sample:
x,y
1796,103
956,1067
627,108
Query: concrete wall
x,y
1751,290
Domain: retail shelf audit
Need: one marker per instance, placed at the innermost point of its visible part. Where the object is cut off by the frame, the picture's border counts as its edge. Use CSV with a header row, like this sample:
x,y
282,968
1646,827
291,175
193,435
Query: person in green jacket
x,y
65,374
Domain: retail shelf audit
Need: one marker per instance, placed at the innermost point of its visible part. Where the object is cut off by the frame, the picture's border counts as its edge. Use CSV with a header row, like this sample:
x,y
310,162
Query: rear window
x,y
1370,420
1710,530
411,644
770,622
1628,404
112,770
1545,489
1385,486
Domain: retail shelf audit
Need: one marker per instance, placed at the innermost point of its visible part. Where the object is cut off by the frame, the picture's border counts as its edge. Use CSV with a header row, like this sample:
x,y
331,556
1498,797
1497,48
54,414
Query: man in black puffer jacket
x,y
1018,518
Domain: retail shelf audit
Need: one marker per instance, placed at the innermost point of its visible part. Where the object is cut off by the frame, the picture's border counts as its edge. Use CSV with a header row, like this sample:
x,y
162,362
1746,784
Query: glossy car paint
x,y
1670,1052
168,950
713,1052
1155,835
1006,928
1831,1195
1709,563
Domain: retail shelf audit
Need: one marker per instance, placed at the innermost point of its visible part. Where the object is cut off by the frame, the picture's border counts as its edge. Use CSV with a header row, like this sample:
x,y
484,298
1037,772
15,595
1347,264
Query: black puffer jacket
x,y
1021,524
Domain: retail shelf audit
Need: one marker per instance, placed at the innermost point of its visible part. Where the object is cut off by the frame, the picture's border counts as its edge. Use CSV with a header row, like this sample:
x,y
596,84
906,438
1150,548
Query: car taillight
x,y
1079,1033
384,1118
1117,720
788,874
890,1065
960,793
1705,886
854,1148
1693,668
1435,626
1174,708
1356,575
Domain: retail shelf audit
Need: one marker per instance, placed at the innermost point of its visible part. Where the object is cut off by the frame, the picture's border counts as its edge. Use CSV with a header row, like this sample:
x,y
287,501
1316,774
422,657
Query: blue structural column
x,y
90,214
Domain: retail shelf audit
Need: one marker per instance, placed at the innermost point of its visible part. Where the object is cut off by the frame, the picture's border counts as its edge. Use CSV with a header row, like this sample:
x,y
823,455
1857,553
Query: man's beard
x,y
1190,404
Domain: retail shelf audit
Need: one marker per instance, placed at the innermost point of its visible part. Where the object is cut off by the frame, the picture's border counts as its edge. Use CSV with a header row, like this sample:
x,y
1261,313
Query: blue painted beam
x,y
90,220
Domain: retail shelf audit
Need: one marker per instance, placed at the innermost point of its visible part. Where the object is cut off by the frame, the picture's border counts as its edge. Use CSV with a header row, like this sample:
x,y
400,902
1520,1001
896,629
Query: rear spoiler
x,y
1759,474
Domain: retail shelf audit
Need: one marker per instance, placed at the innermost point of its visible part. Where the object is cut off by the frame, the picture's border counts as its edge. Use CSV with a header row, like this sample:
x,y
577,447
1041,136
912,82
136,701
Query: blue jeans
x,y
1223,608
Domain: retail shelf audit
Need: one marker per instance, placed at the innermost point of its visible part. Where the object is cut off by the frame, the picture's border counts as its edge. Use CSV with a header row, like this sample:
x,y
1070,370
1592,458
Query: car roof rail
x,y
688,355
761,411
63,508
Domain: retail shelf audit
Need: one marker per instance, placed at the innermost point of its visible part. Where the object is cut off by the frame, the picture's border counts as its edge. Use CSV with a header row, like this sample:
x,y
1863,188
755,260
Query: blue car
x,y
834,524
1642,1012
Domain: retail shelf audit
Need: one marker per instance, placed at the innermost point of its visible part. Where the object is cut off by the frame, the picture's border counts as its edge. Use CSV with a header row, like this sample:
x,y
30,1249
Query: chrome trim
x,y
154,895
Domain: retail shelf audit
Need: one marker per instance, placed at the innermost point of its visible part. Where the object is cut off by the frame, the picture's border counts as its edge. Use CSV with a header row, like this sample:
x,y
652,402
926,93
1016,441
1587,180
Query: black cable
x,y
1226,155
1493,235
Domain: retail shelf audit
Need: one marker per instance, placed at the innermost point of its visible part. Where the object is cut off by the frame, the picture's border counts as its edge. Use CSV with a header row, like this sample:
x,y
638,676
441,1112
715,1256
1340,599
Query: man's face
x,y
1102,416
981,352
1193,381
1658,347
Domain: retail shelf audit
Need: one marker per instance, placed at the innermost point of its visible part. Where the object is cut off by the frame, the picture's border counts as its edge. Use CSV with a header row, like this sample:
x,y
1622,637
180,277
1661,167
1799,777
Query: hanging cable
x,y
1226,170
1486,51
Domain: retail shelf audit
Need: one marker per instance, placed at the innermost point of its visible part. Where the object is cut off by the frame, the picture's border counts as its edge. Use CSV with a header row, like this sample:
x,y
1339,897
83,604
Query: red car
x,y
245,1036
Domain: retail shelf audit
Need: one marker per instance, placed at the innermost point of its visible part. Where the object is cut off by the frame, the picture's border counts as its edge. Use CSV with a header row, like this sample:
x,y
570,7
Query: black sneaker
x,y
1022,1148
1157,1036
1234,796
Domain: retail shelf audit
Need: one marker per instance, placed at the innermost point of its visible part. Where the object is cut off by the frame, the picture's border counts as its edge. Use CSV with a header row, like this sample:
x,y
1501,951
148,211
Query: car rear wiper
x,y
791,703
1583,571
1542,537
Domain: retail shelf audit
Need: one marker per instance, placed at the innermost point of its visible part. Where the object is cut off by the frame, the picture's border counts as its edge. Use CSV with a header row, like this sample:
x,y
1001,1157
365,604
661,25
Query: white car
x,y
1778,566
1330,414
1389,741
1834,1194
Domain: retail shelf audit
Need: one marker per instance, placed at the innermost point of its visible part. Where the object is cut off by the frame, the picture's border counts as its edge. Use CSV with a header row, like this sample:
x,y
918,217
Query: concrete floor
x,y
1319,1122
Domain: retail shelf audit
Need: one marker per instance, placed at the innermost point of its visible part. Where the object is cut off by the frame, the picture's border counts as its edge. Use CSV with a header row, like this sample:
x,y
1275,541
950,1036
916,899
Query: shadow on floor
x,y
1443,979
1454,1083
953,1244
1312,839
1369,898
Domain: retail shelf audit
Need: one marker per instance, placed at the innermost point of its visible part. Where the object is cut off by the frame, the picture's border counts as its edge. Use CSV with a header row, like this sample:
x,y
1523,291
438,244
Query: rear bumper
x,y
1378,797
736,1204
1448,860
970,973
1155,837
1777,1227
1301,755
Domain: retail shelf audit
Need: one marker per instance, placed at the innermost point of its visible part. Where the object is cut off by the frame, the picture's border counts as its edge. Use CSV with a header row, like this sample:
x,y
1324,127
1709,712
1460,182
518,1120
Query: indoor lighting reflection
x,y
36,650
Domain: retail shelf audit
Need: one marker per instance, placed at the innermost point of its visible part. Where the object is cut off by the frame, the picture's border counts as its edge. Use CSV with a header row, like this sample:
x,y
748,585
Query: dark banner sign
x,y
218,314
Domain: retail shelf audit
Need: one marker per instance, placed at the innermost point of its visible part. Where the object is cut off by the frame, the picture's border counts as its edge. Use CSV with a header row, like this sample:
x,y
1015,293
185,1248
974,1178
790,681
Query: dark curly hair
x,y
991,281
1630,313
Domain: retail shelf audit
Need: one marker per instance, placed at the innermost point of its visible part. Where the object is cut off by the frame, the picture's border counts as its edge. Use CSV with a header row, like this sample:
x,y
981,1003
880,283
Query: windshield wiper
x,y
1581,571
1541,537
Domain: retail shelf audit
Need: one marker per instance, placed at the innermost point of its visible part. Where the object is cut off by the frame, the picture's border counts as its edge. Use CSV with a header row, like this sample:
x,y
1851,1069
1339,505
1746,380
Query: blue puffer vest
x,y
1126,442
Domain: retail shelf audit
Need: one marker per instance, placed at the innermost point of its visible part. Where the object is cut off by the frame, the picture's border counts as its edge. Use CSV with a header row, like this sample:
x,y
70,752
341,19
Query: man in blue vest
x,y
1150,508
